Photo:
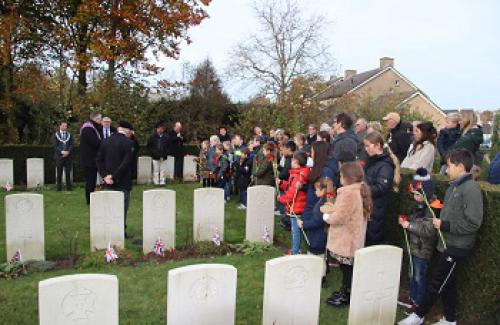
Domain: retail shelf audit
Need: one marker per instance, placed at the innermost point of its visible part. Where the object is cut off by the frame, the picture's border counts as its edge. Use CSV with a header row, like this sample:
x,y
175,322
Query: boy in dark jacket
x,y
461,218
421,236
293,198
243,169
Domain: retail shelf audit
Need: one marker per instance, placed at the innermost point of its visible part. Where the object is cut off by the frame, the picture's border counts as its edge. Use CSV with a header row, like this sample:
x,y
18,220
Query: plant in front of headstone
x,y
12,270
70,242
252,248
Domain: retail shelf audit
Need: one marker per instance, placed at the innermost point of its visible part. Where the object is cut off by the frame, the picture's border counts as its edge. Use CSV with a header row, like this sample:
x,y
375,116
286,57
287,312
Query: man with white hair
x,y
176,148
114,162
361,128
90,141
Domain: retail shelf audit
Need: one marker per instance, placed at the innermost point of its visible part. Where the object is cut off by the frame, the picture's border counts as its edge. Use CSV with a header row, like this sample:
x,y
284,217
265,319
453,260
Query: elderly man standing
x,y
90,141
176,148
158,146
361,128
400,138
63,145
114,162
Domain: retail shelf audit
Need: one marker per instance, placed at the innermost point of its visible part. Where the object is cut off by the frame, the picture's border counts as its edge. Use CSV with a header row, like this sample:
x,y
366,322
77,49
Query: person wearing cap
x,y
158,149
447,138
399,139
114,162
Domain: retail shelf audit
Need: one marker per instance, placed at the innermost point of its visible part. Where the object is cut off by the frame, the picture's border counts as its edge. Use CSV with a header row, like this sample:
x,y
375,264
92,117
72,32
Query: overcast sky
x,y
449,48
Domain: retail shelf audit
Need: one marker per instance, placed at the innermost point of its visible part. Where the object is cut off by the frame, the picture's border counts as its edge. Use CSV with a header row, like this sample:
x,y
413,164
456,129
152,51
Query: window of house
x,y
396,82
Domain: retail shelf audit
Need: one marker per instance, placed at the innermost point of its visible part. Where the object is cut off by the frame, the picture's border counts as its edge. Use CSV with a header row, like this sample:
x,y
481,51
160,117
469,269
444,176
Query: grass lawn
x,y
143,288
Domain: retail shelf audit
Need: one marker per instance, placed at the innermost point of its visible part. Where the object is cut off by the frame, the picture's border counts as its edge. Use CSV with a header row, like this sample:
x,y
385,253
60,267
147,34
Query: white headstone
x,y
34,172
6,172
189,170
260,213
158,219
83,299
208,213
106,219
202,294
292,289
375,285
169,173
144,170
24,225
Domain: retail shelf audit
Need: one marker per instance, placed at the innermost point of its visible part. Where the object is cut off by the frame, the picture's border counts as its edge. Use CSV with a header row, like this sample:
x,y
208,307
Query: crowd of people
x,y
333,186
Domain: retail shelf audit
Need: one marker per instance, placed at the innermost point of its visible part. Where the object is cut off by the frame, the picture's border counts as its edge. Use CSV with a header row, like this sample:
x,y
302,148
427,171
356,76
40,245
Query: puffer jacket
x,y
347,223
347,141
421,234
292,195
379,172
314,226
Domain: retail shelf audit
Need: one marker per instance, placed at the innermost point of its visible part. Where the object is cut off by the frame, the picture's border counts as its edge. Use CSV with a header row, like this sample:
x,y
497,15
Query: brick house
x,y
382,81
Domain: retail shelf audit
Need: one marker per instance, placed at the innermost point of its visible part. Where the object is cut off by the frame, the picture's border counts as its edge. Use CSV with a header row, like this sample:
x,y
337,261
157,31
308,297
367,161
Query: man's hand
x,y
65,153
404,223
437,223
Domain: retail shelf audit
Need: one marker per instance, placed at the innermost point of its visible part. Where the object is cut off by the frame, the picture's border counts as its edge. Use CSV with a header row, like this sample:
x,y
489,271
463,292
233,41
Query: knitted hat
x,y
423,180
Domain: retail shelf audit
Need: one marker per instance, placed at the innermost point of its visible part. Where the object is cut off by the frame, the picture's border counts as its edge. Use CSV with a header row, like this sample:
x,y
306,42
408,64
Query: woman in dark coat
x,y
382,175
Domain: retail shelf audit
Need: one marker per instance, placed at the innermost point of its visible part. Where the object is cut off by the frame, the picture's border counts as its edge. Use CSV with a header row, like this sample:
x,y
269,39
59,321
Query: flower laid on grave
x,y
8,186
16,258
216,237
158,248
110,255
266,236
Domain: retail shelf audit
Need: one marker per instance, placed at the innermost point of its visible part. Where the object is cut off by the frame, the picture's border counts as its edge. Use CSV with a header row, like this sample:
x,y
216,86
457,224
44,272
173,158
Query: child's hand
x,y
437,223
418,197
300,223
405,224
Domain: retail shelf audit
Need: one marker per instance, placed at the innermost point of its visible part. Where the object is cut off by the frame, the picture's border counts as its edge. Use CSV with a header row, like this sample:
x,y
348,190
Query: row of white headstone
x,y
25,219
206,293
35,176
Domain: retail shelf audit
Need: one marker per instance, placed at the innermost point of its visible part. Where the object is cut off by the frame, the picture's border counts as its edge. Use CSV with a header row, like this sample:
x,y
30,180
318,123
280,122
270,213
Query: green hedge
x,y
19,153
479,292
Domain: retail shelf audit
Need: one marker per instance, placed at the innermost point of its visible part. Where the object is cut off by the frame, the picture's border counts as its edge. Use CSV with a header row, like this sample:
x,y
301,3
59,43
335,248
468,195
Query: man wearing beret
x,y
114,162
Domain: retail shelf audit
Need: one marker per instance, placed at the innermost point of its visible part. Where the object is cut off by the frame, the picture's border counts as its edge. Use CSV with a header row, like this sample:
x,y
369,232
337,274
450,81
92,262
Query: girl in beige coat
x,y
347,218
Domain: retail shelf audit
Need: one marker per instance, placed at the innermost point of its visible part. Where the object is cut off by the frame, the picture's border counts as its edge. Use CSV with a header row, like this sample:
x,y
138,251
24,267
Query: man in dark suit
x,y
90,140
106,129
63,145
176,148
114,162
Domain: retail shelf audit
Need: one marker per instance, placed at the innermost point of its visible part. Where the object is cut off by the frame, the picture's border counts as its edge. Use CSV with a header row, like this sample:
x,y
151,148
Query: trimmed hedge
x,y
19,153
479,292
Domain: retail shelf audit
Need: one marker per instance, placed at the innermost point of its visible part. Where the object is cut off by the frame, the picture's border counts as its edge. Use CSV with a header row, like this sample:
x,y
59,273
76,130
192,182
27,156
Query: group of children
x,y
346,212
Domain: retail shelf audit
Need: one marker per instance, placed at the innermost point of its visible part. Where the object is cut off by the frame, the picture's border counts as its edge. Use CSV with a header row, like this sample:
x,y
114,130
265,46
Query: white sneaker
x,y
443,321
413,319
277,213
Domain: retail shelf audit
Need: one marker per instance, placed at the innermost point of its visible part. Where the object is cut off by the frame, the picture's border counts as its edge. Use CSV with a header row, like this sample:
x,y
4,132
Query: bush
x,y
19,153
478,280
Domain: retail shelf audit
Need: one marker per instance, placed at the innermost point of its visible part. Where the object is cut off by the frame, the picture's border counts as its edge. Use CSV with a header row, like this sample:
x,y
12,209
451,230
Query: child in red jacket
x,y
294,199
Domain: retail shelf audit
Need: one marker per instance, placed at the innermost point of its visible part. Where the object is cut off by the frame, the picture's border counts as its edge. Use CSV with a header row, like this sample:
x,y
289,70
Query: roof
x,y
343,86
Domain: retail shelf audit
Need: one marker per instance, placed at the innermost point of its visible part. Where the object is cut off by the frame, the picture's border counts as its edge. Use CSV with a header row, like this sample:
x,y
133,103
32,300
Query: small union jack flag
x,y
16,258
266,236
8,187
158,248
110,255
216,238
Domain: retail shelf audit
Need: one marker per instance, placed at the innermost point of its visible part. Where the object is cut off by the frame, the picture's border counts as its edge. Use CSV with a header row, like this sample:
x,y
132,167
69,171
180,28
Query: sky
x,y
450,49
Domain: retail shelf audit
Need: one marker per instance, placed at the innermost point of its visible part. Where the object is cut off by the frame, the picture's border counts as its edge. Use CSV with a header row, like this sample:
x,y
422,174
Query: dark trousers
x,y
90,181
443,283
63,163
178,167
346,276
243,195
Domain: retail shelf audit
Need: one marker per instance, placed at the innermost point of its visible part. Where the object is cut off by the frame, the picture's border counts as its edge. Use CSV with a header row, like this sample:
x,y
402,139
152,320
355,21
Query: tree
x,y
289,45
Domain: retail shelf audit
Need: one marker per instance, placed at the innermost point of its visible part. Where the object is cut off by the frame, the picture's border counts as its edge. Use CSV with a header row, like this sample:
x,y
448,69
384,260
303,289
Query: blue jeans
x,y
227,188
417,282
281,207
295,235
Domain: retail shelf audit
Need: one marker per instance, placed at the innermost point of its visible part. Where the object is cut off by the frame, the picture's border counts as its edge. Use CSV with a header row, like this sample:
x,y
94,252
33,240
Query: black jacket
x,y
311,139
399,141
90,140
223,138
379,171
284,172
62,144
115,158
175,144
347,141
157,146
112,131
243,173
447,138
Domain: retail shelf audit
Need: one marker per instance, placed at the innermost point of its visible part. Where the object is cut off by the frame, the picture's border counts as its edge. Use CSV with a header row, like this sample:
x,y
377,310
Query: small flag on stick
x,y
159,247
266,236
110,255
16,258
216,238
